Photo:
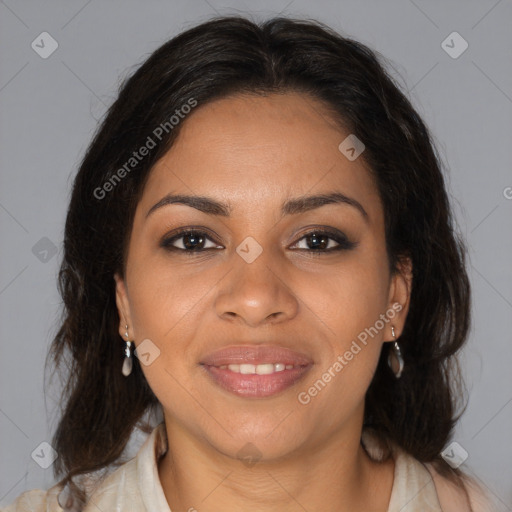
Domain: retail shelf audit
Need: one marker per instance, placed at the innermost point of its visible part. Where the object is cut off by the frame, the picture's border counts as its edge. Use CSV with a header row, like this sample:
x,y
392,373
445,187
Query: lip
x,y
256,354
253,385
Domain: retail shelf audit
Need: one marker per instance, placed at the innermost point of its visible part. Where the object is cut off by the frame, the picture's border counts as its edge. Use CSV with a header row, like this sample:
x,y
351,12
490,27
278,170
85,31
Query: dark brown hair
x,y
232,55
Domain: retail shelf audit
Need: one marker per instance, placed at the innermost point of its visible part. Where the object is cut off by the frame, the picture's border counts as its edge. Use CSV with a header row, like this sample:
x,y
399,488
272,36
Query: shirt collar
x,y
149,454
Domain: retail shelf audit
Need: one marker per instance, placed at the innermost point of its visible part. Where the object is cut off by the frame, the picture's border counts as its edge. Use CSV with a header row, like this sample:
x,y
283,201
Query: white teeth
x,y
265,369
246,369
258,369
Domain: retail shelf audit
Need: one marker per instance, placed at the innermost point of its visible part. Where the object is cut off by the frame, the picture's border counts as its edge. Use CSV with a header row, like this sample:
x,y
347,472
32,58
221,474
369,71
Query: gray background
x,y
49,111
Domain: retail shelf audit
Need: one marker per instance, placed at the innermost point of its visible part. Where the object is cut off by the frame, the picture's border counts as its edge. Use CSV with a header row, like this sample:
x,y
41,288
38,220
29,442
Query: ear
x,y
123,308
400,296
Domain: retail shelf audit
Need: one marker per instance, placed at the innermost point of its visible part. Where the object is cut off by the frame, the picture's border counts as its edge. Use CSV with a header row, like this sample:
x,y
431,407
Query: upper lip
x,y
256,354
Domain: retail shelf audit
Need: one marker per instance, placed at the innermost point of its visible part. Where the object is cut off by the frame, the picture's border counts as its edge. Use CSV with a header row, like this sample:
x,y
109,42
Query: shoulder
x,y
454,498
114,488
36,500
419,486
105,490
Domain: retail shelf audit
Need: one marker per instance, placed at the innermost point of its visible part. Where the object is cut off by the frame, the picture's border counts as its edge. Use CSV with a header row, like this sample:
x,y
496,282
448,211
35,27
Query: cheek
x,y
349,302
164,298
165,308
348,299
336,389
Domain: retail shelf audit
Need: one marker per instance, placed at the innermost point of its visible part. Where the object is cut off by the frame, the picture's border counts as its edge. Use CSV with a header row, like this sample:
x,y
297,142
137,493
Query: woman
x,y
262,215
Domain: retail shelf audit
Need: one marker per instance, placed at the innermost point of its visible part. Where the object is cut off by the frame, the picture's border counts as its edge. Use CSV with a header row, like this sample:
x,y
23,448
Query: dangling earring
x,y
128,361
395,359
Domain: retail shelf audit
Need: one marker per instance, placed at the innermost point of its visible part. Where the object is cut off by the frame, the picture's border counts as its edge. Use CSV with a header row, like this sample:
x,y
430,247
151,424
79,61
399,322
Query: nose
x,y
256,293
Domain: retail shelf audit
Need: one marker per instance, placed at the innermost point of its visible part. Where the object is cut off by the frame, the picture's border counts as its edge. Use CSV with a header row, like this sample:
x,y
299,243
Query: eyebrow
x,y
290,207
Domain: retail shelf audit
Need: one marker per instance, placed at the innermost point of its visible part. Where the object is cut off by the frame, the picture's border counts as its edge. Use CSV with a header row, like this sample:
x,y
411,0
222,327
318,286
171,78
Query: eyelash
x,y
337,236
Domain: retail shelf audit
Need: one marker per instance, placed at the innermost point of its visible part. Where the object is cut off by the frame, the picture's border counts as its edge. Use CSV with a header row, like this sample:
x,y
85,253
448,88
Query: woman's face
x,y
294,292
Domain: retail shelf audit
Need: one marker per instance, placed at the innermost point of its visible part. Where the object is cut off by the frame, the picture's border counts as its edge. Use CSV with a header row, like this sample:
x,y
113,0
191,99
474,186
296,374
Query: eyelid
x,y
335,234
340,238
178,233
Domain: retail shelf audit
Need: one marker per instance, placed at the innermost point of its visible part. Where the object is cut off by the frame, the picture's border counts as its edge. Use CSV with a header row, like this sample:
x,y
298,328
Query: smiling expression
x,y
258,244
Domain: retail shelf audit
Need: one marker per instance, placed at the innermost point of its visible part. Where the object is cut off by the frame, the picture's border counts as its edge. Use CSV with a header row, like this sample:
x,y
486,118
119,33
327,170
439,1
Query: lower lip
x,y
253,385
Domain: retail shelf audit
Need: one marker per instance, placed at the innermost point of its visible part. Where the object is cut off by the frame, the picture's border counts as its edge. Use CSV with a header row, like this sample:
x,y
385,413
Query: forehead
x,y
246,149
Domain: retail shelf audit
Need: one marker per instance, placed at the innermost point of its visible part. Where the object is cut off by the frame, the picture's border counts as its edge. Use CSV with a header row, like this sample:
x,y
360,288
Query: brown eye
x,y
319,241
189,241
325,241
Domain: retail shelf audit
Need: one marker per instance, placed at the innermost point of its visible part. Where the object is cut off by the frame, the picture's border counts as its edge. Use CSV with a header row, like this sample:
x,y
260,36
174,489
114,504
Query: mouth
x,y
256,371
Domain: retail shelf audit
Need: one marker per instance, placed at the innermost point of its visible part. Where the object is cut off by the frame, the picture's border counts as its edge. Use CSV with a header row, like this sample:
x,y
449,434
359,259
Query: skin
x,y
254,153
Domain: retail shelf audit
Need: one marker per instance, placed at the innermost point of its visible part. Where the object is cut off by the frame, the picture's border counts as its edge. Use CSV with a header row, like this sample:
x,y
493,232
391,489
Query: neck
x,y
335,473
